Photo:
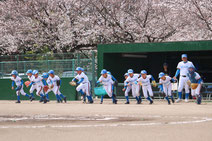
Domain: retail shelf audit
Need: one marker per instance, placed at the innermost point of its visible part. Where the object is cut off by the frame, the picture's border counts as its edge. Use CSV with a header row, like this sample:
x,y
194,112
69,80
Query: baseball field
x,y
33,121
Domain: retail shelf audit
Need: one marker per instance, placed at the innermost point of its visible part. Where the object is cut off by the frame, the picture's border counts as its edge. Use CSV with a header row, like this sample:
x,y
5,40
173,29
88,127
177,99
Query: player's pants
x,y
21,91
56,90
39,90
196,91
33,87
146,89
135,90
85,87
183,84
108,89
126,93
167,89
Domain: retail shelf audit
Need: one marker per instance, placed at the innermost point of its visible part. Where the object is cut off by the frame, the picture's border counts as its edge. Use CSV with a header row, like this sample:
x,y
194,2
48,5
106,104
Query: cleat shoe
x,y
151,102
65,99
199,100
169,103
18,101
32,99
41,100
115,102
178,100
173,100
152,97
101,102
186,100
58,101
127,102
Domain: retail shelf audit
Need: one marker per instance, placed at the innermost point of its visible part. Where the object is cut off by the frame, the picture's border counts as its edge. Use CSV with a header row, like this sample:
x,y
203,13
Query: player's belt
x,y
183,75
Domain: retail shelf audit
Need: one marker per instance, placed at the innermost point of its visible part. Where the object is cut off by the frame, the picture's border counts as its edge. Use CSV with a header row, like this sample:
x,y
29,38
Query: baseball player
x,y
38,82
115,82
131,81
165,81
126,88
83,85
195,79
182,69
47,87
107,82
16,80
32,88
56,82
144,80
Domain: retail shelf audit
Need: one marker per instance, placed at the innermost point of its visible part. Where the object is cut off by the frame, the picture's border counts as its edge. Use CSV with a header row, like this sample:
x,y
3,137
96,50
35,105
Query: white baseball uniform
x,y
194,79
17,81
84,85
48,82
128,88
38,85
132,81
183,66
146,85
167,86
107,84
54,80
33,87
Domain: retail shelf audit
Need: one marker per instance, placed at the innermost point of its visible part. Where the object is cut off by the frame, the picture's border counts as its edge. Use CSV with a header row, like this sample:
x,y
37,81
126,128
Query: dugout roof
x,y
118,58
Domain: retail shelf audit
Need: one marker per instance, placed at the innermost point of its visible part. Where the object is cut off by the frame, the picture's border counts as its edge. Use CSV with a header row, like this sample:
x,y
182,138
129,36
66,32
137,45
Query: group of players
x,y
47,82
133,82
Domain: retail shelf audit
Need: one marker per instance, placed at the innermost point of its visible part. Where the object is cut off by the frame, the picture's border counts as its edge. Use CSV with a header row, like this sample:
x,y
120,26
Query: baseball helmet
x,y
14,72
35,72
184,55
104,71
191,69
45,75
29,71
130,71
143,72
161,74
51,72
108,72
79,69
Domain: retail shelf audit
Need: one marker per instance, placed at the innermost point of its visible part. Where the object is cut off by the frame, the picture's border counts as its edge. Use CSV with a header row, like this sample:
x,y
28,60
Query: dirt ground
x,y
33,121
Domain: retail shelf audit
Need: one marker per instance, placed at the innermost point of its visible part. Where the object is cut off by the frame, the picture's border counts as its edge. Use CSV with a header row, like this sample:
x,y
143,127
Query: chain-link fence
x,y
64,65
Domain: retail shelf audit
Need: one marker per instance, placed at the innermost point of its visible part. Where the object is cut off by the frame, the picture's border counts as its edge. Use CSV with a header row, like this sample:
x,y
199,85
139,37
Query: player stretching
x,y
56,82
38,82
107,82
131,81
165,81
83,85
182,69
144,80
126,88
196,83
16,80
32,88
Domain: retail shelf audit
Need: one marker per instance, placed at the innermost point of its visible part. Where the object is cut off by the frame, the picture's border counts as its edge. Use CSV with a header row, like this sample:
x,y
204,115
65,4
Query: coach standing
x,y
182,69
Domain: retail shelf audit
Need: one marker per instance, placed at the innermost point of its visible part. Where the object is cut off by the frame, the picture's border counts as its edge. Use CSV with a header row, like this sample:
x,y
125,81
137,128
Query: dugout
x,y
118,58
